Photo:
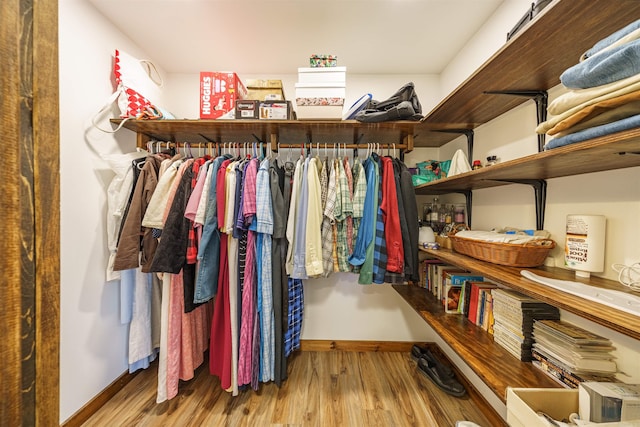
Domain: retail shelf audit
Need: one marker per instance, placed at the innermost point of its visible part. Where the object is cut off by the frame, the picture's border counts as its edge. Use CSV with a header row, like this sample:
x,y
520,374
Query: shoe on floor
x,y
436,373
418,352
466,424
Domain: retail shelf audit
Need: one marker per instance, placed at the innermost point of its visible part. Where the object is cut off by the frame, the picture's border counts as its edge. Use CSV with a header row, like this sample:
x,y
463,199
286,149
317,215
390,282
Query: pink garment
x,y
221,193
249,191
187,337
248,313
194,200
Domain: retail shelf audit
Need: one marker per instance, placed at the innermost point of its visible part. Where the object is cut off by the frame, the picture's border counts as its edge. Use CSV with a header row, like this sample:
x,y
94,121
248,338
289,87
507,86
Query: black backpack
x,y
402,105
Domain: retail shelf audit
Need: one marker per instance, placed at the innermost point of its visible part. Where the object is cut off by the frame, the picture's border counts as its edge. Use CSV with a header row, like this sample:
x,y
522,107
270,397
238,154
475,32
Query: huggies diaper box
x,y
219,92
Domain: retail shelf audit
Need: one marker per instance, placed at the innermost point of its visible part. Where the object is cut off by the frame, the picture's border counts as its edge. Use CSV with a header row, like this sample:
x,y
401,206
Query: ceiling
x,y
278,36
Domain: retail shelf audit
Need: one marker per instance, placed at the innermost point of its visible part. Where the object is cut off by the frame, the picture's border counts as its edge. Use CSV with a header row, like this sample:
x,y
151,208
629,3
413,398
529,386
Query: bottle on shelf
x,y
442,217
448,218
426,214
459,216
476,165
433,222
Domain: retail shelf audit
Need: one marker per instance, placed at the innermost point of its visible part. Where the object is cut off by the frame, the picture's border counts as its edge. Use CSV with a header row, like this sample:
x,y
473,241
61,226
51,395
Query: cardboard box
x,y
247,109
276,110
262,90
603,402
219,92
524,404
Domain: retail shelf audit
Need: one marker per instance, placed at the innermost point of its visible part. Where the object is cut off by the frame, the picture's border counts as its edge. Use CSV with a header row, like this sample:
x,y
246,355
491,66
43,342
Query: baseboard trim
x,y
331,345
91,407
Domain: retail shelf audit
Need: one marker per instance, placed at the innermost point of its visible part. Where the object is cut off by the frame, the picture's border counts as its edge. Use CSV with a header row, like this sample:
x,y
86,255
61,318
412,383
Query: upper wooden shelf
x,y
617,320
595,155
493,364
532,60
285,132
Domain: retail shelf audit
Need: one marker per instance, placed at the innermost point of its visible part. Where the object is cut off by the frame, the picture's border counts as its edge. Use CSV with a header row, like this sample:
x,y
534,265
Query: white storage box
x,y
523,404
313,75
601,402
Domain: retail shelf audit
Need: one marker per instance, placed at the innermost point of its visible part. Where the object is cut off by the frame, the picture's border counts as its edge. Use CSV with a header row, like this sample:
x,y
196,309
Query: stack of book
x,y
513,319
478,303
453,295
570,354
320,92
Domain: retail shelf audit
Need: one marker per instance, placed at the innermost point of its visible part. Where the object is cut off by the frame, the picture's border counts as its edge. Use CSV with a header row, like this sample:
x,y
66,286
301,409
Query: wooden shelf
x,y
617,320
285,132
532,60
494,365
594,155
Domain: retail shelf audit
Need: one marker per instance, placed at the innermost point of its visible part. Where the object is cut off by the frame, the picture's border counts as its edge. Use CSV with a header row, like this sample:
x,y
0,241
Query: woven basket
x,y
531,254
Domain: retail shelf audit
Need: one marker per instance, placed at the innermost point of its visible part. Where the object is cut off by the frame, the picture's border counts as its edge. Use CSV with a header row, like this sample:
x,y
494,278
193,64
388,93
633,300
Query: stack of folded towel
x,y
604,92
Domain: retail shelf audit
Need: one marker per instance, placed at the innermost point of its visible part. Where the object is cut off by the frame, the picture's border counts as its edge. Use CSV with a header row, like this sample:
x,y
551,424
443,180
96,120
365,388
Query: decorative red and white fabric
x,y
138,87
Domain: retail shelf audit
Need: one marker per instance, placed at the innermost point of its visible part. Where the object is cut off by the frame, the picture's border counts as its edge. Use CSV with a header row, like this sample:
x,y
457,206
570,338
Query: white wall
x,y
92,340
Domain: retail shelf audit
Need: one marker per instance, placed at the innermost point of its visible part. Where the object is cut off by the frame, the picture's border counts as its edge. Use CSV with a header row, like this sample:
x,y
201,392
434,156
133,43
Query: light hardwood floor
x,y
324,388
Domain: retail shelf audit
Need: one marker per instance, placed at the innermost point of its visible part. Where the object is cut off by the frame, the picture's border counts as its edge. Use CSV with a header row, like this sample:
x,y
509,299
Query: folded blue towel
x,y
595,132
608,41
607,67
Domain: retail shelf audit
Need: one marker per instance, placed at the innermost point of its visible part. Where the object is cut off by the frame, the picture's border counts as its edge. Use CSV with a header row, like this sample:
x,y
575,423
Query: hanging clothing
x,y
294,317
389,207
313,237
410,206
118,194
278,261
209,250
327,214
379,248
264,227
132,249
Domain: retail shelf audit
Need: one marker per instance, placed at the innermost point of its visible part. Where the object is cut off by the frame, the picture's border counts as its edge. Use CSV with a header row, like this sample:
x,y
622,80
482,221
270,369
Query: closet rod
x,y
182,144
347,146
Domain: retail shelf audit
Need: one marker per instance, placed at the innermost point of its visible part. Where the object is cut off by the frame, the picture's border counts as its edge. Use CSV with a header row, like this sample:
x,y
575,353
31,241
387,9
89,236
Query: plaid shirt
x,y
343,211
359,193
295,316
264,219
380,248
327,234
332,198
249,205
349,175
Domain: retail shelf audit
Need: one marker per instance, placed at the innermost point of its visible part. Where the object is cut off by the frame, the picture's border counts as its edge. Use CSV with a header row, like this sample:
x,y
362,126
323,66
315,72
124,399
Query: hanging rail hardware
x,y
541,99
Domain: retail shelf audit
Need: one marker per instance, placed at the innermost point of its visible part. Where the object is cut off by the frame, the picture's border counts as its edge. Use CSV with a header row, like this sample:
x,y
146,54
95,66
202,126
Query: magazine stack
x,y
570,354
